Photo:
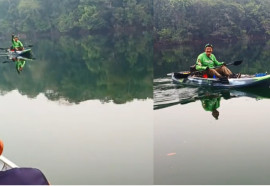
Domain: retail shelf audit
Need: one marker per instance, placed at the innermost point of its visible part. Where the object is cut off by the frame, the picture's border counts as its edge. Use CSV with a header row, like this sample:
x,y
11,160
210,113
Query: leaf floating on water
x,y
171,154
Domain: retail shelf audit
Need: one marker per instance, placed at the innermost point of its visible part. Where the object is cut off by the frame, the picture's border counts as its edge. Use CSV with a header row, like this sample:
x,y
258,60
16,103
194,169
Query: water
x,y
211,136
82,111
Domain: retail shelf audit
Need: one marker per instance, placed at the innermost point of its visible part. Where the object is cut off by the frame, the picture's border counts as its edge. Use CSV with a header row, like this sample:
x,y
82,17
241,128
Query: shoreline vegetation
x,y
171,22
164,44
178,22
74,16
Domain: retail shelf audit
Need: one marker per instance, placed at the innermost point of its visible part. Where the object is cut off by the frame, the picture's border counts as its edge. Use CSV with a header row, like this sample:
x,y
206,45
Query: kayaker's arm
x,y
12,40
199,66
216,62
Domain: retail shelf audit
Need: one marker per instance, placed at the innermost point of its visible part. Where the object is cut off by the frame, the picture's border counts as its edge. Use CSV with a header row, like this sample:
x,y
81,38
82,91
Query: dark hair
x,y
208,45
215,114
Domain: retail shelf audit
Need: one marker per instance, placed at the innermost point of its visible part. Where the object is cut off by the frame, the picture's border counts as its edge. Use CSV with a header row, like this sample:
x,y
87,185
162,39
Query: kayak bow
x,y
6,164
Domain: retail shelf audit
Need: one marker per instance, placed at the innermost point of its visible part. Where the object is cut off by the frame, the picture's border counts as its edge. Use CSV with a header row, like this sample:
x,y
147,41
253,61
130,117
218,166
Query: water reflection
x,y
70,79
107,68
191,146
18,61
167,94
188,138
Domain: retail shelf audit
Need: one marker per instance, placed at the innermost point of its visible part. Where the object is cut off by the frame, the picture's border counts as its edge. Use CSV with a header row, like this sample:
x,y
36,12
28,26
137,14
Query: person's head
x,y
16,38
215,114
208,49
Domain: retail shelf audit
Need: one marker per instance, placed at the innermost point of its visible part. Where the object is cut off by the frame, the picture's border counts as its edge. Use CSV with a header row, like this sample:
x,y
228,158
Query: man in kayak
x,y
16,43
208,63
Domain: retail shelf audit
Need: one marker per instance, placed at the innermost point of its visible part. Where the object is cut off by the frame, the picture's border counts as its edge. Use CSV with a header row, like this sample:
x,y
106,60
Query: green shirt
x,y
203,61
20,64
210,104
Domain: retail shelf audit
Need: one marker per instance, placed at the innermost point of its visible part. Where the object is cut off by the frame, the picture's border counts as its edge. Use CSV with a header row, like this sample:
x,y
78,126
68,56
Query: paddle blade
x,y
237,62
180,75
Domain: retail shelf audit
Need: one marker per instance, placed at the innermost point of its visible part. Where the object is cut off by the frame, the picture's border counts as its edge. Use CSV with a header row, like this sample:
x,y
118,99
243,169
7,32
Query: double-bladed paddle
x,y
235,63
8,48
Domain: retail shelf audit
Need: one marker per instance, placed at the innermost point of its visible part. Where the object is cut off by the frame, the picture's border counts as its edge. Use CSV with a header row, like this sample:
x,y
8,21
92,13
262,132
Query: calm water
x,y
82,111
193,144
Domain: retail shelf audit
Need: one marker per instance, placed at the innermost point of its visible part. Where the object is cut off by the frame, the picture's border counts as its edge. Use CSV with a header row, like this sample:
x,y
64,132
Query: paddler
x,y
16,43
208,63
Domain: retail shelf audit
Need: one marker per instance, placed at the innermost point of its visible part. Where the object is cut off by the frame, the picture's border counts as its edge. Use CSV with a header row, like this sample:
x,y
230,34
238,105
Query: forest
x,y
177,21
26,16
170,20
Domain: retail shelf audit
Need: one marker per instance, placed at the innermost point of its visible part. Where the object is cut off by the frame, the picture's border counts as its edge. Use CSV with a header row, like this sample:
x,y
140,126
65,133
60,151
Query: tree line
x,y
73,15
183,20
171,20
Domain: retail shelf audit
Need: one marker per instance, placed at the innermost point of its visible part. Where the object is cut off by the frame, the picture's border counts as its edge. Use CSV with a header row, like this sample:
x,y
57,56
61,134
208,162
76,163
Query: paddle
x,y
8,48
235,63
6,61
185,74
26,59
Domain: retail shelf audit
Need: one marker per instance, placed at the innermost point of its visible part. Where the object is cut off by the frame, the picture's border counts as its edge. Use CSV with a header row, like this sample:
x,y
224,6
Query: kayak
x,y
21,58
18,52
244,81
6,164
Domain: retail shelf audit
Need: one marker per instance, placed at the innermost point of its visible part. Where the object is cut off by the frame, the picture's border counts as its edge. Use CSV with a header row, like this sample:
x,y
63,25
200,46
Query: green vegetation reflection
x,y
107,68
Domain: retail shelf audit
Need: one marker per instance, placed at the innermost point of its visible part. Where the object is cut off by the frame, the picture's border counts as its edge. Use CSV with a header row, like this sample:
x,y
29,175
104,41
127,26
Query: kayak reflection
x,y
19,62
210,100
167,95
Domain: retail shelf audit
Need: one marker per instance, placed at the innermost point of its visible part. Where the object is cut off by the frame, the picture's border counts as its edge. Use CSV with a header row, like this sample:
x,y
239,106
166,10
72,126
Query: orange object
x,y
205,76
171,154
1,147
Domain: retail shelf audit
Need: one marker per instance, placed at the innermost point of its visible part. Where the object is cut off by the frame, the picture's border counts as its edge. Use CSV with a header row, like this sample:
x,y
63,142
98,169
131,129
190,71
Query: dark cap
x,y
208,45
215,114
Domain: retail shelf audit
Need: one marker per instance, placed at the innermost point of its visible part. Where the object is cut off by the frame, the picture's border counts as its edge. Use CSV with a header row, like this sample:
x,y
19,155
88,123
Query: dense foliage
x,y
181,20
70,15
